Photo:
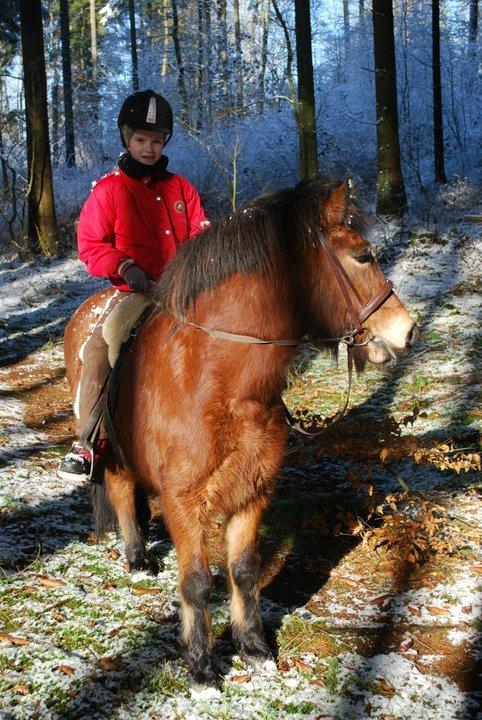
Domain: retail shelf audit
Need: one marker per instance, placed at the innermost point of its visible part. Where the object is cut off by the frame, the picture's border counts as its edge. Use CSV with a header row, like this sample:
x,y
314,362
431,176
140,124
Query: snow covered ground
x,y
358,630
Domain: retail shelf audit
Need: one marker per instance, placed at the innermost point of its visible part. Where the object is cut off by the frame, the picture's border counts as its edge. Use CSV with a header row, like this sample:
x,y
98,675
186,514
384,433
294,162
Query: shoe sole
x,y
65,475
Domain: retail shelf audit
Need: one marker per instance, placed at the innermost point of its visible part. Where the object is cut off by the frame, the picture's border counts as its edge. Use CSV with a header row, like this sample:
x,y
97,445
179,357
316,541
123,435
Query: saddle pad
x,y
120,321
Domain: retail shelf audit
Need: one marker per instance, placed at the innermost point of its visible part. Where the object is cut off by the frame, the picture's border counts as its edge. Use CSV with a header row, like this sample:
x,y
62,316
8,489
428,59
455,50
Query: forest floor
x,y
372,556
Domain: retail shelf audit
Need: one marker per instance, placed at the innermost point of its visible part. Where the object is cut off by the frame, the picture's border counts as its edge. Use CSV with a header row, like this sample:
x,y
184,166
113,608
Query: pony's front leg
x,y
195,582
244,575
129,502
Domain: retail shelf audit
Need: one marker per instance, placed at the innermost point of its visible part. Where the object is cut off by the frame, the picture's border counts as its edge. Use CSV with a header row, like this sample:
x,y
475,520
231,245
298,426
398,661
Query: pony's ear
x,y
337,204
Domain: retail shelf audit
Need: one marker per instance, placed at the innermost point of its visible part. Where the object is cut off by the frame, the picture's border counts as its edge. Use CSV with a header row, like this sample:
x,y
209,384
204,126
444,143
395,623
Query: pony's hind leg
x,y
244,575
128,502
195,583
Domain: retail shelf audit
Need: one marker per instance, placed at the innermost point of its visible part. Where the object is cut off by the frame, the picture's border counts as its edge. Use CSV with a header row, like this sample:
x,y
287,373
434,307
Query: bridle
x,y
358,316
367,309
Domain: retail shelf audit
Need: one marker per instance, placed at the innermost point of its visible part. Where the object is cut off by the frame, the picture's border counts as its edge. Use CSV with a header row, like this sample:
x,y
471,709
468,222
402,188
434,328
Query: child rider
x,y
129,230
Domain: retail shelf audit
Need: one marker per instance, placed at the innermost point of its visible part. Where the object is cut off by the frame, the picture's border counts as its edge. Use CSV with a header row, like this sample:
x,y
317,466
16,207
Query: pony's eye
x,y
365,257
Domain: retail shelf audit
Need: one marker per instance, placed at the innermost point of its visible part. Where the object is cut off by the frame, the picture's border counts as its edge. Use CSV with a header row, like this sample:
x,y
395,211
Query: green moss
x,y
169,683
332,674
78,638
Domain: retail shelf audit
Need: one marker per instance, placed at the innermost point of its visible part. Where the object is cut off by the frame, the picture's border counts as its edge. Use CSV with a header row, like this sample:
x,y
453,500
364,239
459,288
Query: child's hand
x,y
136,278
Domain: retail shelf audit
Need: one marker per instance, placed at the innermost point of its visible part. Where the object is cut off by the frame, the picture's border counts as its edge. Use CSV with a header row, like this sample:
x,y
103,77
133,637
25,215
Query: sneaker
x,y
75,465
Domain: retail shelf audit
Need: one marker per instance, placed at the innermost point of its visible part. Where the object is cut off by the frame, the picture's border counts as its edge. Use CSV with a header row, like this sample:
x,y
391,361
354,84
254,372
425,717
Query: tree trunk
x,y
208,59
346,24
55,119
264,55
306,92
42,226
239,55
67,83
223,47
474,20
181,79
135,66
391,198
200,64
165,38
93,41
361,9
438,136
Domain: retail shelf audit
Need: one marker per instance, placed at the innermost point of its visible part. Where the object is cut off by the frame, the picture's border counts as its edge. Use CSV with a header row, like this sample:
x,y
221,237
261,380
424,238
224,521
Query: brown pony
x,y
200,419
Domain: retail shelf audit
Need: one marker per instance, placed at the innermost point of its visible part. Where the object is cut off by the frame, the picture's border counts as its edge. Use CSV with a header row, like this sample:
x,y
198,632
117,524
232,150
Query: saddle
x,y
119,331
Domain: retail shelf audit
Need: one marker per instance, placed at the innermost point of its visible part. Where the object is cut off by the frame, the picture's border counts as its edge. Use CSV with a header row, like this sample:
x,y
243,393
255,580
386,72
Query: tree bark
x,y
306,92
42,230
391,198
473,20
93,41
200,64
264,54
67,83
239,55
133,37
438,137
346,24
222,38
181,77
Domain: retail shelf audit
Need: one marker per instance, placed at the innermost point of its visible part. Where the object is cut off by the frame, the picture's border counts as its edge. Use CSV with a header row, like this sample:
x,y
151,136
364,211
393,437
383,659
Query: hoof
x,y
202,678
142,562
254,651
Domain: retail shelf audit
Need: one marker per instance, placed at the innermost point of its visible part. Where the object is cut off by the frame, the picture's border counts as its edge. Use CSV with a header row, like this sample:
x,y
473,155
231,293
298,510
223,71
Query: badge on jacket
x,y
179,206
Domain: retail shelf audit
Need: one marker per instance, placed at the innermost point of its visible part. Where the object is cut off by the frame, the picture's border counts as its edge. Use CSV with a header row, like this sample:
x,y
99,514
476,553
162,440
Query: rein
x,y
349,339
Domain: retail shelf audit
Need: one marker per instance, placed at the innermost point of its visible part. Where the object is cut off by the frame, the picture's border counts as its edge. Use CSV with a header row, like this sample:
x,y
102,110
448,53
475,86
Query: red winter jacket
x,y
144,220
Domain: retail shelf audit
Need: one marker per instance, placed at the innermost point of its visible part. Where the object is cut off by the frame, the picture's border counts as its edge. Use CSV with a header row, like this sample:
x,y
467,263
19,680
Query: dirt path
x,y
373,565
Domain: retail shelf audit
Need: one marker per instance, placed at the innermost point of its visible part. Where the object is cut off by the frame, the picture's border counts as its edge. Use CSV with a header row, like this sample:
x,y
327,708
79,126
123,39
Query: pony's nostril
x,y
413,336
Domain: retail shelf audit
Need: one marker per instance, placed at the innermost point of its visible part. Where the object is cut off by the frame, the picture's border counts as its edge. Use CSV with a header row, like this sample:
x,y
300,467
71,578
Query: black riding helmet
x,y
145,110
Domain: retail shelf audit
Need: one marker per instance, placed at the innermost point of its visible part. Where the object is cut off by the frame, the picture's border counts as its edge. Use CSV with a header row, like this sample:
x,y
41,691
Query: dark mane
x,y
250,240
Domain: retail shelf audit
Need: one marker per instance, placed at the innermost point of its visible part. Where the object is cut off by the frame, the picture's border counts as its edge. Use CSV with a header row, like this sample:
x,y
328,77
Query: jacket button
x,y
168,232
158,198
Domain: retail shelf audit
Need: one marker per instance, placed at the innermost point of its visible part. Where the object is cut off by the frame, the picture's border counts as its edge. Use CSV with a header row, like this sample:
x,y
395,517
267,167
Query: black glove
x,y
136,278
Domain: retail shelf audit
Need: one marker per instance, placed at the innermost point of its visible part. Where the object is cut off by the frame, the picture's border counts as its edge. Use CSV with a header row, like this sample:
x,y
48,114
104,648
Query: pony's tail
x,y
104,515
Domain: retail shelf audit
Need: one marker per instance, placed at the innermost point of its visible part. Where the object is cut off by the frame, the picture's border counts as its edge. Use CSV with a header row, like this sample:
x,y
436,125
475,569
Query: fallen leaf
x,y
477,569
283,665
348,581
145,591
66,669
114,554
318,681
467,609
60,617
30,589
12,640
385,685
240,678
90,623
113,632
414,610
380,599
302,665
435,610
21,689
406,644
111,664
50,582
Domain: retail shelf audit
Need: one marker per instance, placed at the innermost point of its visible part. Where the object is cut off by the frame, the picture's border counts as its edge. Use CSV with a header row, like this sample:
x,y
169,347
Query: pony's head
x,y
341,278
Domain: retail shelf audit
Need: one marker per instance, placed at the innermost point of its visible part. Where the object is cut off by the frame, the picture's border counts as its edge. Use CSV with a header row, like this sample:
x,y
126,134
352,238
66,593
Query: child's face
x,y
146,146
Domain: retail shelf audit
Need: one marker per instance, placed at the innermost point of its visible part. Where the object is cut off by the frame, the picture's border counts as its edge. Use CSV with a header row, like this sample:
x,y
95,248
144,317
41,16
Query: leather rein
x,y
358,317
